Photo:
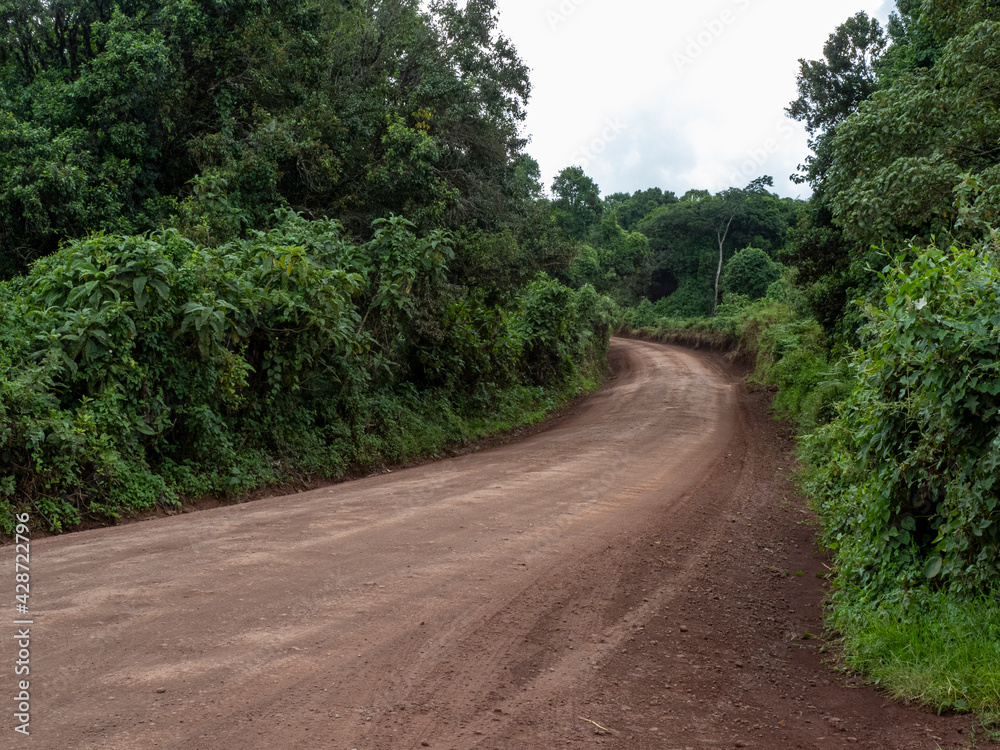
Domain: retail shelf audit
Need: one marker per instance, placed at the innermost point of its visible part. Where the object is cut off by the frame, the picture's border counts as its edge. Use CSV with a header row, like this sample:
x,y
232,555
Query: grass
x,y
943,652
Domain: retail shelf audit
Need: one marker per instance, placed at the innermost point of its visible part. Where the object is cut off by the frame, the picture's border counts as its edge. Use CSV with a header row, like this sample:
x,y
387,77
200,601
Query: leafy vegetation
x,y
903,471
909,484
691,241
265,243
117,116
140,369
749,273
675,252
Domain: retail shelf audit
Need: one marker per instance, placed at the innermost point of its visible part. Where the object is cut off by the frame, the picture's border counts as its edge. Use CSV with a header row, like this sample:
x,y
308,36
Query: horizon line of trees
x,y
672,251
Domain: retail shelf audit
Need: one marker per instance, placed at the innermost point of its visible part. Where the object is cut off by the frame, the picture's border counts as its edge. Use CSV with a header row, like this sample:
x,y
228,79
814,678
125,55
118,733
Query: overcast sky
x,y
670,94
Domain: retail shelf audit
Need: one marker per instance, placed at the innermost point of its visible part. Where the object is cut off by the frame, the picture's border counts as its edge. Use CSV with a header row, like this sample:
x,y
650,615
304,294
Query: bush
x,y
750,272
137,370
908,481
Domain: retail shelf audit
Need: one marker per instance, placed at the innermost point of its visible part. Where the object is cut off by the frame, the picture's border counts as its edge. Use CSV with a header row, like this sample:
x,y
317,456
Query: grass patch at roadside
x,y
941,652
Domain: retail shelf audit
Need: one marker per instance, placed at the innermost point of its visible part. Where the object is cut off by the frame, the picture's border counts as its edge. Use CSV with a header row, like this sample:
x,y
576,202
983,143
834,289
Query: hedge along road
x,y
613,581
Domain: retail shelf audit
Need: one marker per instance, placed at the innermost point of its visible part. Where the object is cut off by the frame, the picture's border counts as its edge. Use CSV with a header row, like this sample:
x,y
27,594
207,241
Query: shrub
x,y
137,370
908,486
749,272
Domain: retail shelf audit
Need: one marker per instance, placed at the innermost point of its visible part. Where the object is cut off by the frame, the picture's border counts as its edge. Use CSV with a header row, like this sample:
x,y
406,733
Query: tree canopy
x,y
911,152
121,116
576,203
689,238
831,89
631,209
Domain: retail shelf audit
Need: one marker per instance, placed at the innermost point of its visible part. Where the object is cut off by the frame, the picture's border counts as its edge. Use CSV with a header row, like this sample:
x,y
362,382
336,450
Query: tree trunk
x,y
721,237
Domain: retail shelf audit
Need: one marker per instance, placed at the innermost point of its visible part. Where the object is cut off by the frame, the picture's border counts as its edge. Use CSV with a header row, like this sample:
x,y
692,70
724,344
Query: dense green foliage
x,y
253,243
908,477
903,469
138,369
749,273
913,143
615,261
576,203
631,209
115,117
897,162
691,241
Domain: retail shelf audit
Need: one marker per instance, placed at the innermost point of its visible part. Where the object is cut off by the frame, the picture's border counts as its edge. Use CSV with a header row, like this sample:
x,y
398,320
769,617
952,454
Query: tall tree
x,y
728,206
631,209
576,203
830,91
832,88
913,42
896,164
754,210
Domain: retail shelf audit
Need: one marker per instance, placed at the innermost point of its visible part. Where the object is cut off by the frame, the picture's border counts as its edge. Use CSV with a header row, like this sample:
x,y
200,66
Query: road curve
x,y
447,603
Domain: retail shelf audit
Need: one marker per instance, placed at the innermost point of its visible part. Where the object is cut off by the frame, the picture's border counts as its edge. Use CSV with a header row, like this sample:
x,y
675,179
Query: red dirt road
x,y
615,581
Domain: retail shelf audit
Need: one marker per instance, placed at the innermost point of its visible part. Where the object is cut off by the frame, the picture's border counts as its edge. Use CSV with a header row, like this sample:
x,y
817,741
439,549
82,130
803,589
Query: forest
x,y
246,245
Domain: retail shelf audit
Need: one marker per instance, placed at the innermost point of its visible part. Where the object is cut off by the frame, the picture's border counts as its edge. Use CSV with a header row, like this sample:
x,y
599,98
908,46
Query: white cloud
x,y
700,88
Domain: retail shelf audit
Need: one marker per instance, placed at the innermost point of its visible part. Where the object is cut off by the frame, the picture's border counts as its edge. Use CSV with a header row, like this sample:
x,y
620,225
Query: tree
x,y
830,91
726,207
896,164
914,43
631,209
112,115
693,195
832,88
576,203
680,241
755,209
690,240
528,178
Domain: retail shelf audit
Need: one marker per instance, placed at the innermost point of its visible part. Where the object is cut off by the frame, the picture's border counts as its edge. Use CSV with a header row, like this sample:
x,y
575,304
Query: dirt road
x,y
617,580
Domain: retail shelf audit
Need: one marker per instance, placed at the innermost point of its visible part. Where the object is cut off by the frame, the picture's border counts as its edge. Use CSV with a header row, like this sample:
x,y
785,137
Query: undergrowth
x,y
139,371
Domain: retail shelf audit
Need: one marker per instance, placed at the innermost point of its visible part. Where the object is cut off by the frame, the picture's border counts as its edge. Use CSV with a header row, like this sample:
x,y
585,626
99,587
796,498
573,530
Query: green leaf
x,y
144,428
933,567
160,288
